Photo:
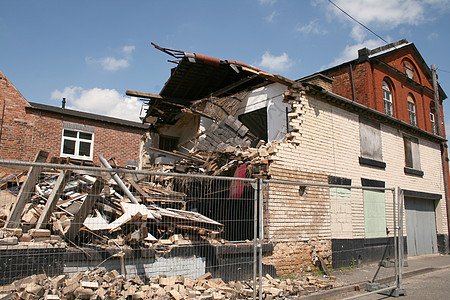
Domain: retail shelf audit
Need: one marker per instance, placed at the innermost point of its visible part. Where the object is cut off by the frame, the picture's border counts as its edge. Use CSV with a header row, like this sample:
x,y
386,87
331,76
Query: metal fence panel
x,y
169,232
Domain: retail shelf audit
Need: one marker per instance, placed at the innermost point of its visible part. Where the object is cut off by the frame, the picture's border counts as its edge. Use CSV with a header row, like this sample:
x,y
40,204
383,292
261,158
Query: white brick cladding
x,y
327,142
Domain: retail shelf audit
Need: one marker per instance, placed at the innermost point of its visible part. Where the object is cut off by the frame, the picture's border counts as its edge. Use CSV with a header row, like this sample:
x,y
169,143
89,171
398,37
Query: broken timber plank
x,y
180,155
324,266
50,206
85,209
136,186
25,192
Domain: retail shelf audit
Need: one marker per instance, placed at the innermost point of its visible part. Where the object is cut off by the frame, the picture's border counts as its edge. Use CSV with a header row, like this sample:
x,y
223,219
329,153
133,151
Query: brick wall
x,y
26,130
326,141
368,78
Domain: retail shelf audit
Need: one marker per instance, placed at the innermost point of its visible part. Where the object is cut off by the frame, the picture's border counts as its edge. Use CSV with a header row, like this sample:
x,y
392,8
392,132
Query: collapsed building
x,y
304,132
225,118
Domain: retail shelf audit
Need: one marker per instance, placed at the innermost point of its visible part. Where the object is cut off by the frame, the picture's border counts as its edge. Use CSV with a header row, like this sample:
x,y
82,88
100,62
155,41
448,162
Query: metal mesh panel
x,y
77,231
320,228
165,231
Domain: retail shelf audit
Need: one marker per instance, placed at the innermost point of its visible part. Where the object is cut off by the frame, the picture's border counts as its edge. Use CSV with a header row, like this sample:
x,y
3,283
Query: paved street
x,y
432,285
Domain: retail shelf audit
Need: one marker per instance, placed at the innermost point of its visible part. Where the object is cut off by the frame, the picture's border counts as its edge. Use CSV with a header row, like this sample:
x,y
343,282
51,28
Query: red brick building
x,y
26,128
393,79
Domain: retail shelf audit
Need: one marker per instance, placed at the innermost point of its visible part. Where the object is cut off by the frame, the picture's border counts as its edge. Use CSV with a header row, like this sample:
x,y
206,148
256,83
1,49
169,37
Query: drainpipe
x,y
353,85
443,152
3,117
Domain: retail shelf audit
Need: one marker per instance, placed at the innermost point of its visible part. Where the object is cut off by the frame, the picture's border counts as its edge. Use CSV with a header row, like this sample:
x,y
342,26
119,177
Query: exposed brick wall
x,y
26,131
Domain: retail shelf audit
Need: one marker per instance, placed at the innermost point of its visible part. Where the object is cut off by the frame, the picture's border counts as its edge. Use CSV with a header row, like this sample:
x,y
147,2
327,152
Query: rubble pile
x,y
99,284
223,162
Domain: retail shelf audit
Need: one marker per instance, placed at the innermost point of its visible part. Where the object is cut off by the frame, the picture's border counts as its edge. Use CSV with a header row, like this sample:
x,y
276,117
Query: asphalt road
x,y
432,285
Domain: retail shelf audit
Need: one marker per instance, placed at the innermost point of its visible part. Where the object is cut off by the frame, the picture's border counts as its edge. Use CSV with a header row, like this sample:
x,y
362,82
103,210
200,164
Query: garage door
x,y
420,226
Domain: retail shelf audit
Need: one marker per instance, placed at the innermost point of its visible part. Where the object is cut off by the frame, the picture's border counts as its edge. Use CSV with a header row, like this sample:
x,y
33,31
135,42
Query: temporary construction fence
x,y
166,233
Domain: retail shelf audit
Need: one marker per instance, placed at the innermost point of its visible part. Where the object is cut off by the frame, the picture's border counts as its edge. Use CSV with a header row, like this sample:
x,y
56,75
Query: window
x,y
412,156
77,144
256,122
168,143
387,97
433,118
370,140
374,209
412,111
340,207
409,70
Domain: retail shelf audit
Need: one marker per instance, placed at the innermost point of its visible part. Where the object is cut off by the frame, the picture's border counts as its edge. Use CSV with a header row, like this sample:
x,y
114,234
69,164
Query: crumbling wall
x,y
297,218
297,257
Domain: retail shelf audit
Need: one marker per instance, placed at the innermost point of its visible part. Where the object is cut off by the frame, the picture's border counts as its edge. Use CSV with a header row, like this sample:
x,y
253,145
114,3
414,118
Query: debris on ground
x,y
99,284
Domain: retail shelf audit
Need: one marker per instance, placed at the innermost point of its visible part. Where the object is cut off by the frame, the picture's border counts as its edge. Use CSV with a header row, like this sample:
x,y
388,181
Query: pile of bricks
x,y
99,284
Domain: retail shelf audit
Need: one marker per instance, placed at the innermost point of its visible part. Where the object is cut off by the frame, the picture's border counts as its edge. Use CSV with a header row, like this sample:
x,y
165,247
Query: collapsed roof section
x,y
196,77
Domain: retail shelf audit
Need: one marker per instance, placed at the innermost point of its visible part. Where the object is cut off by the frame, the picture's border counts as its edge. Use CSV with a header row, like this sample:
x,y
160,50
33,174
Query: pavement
x,y
351,279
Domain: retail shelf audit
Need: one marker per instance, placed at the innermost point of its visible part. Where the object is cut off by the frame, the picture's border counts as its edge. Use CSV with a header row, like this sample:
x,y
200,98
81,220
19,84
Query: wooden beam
x,y
136,186
85,209
180,155
143,95
232,86
52,200
27,188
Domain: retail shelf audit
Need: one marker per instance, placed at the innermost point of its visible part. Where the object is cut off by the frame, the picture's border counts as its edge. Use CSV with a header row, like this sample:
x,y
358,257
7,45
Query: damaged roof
x,y
197,76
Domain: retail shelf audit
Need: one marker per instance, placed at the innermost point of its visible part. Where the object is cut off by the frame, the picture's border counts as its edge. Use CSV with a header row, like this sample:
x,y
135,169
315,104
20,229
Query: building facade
x,y
29,127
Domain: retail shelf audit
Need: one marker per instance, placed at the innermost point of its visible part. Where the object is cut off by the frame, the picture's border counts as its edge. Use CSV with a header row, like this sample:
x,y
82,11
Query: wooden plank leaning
x,y
52,200
85,209
25,192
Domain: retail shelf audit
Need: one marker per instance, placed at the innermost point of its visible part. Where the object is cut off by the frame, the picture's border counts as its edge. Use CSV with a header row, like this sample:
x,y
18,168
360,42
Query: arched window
x,y
433,117
387,97
412,110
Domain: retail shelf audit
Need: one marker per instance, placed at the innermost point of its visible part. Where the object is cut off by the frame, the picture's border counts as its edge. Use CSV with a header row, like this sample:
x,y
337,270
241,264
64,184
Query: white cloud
x,y
111,63
351,52
128,49
267,1
382,13
275,63
100,101
311,27
270,18
432,36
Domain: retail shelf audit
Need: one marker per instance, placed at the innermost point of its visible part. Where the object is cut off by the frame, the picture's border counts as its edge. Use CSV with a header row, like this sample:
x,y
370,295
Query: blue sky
x,y
91,52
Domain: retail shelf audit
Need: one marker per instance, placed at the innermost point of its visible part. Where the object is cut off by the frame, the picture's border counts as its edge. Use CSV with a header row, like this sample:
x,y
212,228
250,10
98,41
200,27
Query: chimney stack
x,y
63,103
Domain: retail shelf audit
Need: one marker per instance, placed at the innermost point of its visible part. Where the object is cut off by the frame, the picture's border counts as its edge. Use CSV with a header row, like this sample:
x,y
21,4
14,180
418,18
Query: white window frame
x,y
433,118
433,122
387,97
77,141
412,111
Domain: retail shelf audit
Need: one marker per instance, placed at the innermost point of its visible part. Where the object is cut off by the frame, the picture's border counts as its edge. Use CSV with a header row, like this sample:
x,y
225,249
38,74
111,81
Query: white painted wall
x,y
270,96
330,144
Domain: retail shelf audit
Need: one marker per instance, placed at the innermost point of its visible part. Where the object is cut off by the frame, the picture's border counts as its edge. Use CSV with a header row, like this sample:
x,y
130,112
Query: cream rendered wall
x,y
270,96
329,142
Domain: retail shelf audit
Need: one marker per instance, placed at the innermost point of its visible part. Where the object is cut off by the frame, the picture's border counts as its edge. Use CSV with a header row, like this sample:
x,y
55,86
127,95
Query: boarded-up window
x,y
409,70
341,208
412,156
370,137
374,209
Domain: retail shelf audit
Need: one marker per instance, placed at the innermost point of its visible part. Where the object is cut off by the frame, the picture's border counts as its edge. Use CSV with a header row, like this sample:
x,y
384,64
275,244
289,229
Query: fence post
x,y
261,232
255,186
